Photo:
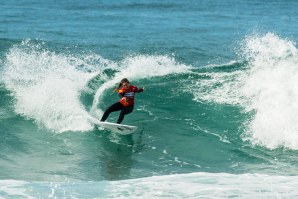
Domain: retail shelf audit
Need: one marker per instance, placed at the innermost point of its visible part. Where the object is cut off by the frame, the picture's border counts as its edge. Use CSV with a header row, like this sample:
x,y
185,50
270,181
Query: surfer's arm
x,y
121,93
117,88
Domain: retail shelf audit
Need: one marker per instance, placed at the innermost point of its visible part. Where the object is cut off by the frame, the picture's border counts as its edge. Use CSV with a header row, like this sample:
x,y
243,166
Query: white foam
x,y
192,185
13,188
268,88
220,87
272,87
47,86
207,185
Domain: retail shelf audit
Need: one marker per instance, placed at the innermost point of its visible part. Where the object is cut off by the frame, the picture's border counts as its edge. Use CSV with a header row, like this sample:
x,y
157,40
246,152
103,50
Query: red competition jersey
x,y
127,95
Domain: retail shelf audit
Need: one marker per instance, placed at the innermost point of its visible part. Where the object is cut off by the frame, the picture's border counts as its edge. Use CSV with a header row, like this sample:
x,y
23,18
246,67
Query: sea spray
x,y
265,87
46,86
272,87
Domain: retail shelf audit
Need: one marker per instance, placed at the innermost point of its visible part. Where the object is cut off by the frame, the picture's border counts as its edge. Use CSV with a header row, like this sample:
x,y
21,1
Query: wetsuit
x,y
126,103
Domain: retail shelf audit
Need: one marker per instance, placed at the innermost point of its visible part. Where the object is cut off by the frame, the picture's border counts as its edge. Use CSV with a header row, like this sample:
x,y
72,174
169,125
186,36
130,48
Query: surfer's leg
x,y
126,110
114,107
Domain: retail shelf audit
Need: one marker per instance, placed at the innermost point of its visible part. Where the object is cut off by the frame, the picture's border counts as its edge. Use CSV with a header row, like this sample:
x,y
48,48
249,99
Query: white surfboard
x,y
116,128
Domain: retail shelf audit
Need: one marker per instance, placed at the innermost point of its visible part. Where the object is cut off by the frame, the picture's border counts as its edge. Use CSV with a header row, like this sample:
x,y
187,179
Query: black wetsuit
x,y
117,107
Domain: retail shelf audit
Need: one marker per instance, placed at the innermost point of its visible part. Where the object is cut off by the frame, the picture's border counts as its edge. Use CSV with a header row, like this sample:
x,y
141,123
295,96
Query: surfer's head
x,y
123,82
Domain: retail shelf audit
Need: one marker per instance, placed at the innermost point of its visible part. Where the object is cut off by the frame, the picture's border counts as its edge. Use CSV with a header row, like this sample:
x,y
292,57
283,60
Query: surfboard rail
x,y
116,128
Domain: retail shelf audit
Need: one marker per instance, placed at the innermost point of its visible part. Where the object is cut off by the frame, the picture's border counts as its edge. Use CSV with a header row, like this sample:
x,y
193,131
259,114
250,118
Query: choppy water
x,y
217,118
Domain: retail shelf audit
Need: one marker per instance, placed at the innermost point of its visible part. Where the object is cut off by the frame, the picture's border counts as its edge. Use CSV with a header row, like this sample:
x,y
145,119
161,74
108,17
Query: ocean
x,y
217,118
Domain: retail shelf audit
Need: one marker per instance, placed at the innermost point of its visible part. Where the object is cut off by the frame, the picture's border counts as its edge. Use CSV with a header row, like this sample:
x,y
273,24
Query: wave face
x,y
47,86
244,107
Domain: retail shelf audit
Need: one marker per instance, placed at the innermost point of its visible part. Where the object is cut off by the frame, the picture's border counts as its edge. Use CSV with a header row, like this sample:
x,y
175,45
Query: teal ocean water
x,y
217,118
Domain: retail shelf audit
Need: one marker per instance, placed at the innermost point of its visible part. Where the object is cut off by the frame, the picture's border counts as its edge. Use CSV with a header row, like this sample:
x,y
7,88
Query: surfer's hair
x,y
124,80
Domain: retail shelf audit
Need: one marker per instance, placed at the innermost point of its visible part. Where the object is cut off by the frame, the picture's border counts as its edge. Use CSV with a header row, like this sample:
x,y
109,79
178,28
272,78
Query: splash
x,y
46,86
218,83
272,87
266,87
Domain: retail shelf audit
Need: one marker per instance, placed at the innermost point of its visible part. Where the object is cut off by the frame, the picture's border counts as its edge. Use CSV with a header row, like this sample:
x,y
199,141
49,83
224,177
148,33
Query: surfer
x,y
126,92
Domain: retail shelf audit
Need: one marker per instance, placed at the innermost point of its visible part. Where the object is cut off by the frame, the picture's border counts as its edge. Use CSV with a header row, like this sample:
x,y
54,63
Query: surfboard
x,y
116,128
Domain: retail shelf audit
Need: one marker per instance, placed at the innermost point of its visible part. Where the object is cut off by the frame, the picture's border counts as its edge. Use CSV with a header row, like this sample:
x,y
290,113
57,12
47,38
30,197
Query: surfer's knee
x,y
129,110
